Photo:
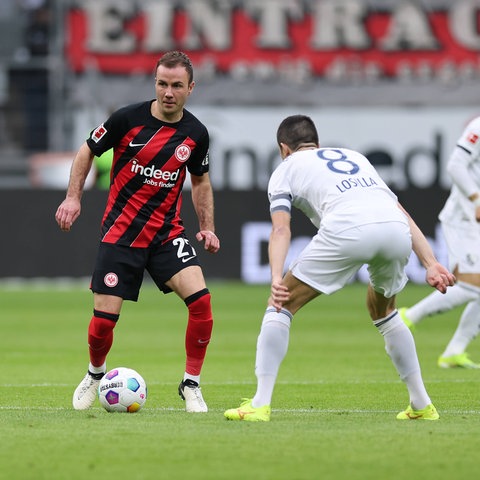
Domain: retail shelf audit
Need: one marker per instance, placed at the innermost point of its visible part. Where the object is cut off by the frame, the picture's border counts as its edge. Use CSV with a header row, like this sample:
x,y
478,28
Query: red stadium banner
x,y
322,38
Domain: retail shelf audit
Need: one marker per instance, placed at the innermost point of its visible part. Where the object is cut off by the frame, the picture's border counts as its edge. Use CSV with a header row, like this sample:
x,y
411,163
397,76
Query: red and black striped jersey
x,y
148,172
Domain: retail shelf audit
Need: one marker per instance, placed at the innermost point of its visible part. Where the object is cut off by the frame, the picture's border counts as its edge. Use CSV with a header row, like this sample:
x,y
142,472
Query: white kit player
x,y
359,222
460,220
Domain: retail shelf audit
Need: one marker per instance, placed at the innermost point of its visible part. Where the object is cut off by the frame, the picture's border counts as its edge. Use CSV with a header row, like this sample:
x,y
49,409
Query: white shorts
x,y
330,260
463,244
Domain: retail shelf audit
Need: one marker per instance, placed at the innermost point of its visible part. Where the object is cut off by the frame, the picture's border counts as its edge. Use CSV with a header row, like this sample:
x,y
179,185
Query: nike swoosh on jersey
x,y
131,144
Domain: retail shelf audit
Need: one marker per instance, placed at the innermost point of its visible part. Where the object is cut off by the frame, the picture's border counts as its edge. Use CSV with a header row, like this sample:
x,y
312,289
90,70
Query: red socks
x,y
197,337
199,330
100,336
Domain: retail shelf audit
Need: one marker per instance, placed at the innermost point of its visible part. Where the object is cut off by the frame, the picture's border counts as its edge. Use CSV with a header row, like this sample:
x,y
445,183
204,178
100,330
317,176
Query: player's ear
x,y
285,150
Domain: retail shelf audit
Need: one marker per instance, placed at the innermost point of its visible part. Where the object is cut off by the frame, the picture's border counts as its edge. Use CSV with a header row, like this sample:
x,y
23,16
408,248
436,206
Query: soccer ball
x,y
122,390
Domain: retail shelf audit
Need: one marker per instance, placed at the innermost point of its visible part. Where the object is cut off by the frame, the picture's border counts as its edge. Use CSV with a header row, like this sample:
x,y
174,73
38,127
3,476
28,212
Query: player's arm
x,y
280,237
69,209
457,167
279,243
202,198
437,275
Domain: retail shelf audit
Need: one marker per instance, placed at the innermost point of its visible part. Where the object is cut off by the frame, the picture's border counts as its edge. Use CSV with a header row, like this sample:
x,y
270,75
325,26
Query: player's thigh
x,y
118,271
174,266
470,278
386,267
300,293
187,281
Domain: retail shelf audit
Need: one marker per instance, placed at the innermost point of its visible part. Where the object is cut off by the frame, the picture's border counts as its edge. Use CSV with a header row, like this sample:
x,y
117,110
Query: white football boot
x,y
192,394
87,391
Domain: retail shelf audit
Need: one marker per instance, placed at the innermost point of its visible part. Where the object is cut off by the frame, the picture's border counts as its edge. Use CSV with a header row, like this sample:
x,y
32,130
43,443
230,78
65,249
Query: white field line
x,y
249,383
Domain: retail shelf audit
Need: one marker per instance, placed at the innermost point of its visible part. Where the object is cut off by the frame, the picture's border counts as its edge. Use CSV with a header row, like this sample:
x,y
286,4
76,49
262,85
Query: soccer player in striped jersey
x,y
359,221
154,144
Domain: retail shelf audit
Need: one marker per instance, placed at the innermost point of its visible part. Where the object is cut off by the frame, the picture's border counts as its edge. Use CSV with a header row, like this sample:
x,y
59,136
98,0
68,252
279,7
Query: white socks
x,y
467,329
400,347
438,302
272,346
101,369
195,378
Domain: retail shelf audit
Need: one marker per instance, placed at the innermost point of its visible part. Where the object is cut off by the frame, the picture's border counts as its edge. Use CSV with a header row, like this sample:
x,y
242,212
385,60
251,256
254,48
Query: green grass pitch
x,y
334,405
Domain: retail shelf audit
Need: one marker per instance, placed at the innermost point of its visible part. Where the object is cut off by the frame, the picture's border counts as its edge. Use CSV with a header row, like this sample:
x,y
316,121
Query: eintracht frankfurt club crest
x,y
110,279
182,153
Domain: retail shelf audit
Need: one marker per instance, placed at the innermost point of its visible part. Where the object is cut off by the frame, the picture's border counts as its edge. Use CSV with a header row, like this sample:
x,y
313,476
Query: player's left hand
x,y
212,243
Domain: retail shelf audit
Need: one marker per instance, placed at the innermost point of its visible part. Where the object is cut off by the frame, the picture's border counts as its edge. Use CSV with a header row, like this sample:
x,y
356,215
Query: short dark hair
x,y
297,130
173,59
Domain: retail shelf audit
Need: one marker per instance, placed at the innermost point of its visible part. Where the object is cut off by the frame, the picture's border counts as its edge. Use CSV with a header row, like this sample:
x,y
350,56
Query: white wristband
x,y
476,202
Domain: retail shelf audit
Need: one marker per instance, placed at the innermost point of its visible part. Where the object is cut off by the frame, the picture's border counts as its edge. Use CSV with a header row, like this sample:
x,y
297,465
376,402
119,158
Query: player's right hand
x,y
67,213
439,277
279,294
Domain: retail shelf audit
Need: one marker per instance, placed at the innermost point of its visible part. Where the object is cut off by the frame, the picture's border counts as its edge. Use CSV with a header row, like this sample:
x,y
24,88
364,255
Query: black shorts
x,y
119,270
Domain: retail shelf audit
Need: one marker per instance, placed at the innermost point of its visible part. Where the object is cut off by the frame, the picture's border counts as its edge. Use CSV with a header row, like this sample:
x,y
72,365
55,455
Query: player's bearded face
x,y
172,89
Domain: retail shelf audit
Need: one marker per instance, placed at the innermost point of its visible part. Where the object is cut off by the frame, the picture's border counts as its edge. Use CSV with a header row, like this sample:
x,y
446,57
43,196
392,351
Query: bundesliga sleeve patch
x,y
99,133
472,138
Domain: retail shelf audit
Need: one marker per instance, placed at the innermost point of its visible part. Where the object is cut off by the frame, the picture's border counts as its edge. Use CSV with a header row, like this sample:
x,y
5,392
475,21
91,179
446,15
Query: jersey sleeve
x,y
199,161
279,192
107,135
458,169
465,153
470,138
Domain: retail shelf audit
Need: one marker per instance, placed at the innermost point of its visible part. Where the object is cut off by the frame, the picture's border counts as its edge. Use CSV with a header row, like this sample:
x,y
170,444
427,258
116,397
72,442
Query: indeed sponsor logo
x,y
152,173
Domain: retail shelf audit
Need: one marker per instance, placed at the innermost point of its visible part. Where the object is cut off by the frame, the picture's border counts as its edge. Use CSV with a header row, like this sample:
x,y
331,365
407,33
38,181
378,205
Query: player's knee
x,y
199,304
102,323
